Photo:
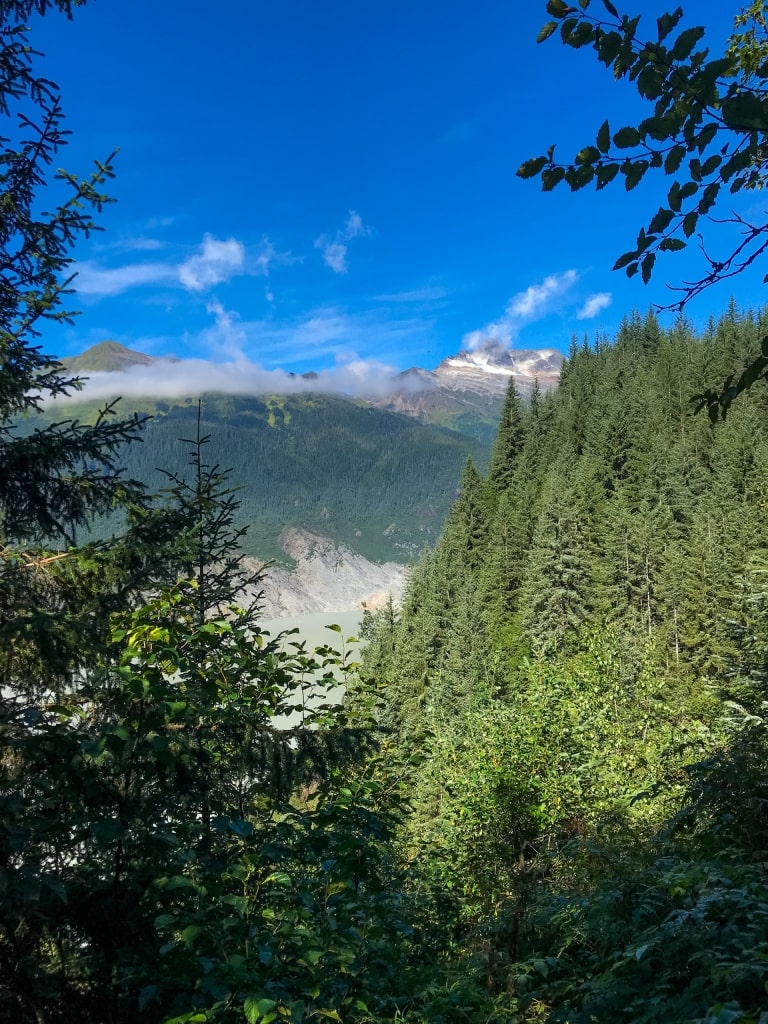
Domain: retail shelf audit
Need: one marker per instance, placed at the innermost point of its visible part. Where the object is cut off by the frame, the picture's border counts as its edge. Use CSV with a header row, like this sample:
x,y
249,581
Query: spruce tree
x,y
509,440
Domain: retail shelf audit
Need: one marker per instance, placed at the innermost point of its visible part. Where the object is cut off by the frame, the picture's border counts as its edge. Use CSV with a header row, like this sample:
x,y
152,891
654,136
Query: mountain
x,y
487,369
353,471
465,392
107,357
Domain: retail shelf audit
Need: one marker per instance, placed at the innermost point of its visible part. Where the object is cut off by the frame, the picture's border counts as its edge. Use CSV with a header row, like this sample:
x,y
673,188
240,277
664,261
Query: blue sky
x,y
303,185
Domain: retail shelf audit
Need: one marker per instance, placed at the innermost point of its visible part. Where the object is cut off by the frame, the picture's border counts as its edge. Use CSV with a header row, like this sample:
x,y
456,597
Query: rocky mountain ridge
x,y
471,385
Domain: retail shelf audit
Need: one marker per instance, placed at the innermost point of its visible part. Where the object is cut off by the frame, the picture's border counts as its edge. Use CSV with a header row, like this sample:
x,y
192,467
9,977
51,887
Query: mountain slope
x,y
106,357
381,483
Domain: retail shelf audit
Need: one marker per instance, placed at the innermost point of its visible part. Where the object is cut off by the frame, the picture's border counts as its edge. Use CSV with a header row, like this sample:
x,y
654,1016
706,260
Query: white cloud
x,y
354,227
335,249
166,378
536,302
594,305
227,335
335,256
532,303
217,261
102,281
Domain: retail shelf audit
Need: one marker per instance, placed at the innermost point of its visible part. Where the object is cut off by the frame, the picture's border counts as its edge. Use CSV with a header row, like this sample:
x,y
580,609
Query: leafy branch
x,y
710,118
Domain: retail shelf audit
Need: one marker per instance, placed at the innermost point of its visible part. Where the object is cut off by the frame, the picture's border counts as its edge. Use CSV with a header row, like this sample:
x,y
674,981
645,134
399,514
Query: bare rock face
x,y
328,577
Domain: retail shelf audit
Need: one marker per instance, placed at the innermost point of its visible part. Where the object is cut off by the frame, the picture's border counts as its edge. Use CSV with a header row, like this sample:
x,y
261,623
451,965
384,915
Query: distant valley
x,y
323,479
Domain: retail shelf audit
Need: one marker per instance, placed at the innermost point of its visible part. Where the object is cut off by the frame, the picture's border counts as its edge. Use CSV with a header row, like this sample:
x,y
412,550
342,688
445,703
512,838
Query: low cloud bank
x,y
165,378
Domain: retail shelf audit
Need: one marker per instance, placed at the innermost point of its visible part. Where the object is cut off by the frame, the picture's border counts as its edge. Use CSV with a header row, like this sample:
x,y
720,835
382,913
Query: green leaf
x,y
634,172
588,155
745,110
251,1009
577,33
107,831
546,31
647,266
550,177
609,47
610,8
751,374
604,138
709,197
706,135
711,164
661,221
672,244
624,259
650,82
686,41
667,22
674,159
689,223
557,8
626,137
279,878
605,174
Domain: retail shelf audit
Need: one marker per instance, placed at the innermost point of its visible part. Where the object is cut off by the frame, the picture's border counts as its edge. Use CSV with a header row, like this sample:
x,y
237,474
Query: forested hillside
x,y
380,482
579,667
544,798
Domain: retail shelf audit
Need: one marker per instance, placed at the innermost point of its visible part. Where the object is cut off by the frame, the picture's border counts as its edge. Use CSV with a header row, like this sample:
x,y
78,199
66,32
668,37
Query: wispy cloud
x,y
335,248
227,336
137,243
98,282
594,305
217,261
427,294
321,335
534,303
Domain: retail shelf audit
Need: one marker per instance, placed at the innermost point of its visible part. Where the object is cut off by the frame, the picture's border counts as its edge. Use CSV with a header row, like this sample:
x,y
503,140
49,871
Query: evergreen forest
x,y
377,481
544,797
577,676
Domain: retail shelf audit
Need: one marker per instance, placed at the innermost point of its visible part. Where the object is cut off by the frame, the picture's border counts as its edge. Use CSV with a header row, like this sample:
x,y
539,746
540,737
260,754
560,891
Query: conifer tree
x,y
509,440
467,527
